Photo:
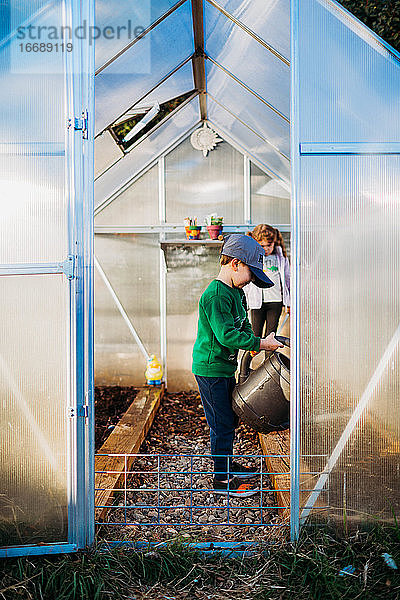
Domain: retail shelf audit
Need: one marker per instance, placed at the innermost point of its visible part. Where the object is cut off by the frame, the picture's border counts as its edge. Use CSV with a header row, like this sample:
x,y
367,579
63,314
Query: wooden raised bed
x,y
278,443
126,438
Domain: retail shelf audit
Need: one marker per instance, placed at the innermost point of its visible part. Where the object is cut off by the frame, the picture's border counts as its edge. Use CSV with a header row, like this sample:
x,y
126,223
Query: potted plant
x,y
214,225
191,228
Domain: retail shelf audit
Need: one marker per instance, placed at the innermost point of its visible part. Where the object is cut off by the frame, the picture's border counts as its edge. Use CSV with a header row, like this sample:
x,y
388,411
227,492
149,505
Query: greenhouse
x,y
118,125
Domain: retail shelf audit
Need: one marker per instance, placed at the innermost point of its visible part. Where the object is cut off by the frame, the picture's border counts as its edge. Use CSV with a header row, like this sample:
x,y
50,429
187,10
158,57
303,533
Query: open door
x,y
346,218
45,278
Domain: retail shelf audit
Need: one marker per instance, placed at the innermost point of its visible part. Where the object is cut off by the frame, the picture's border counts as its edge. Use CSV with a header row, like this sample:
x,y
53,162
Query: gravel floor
x,y
169,490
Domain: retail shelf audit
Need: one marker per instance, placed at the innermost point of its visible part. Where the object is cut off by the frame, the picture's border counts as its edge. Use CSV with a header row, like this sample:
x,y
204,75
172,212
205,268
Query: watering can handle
x,y
283,340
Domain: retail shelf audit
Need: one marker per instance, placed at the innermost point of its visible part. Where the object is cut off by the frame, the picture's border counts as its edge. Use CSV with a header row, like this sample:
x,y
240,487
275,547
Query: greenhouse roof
x,y
232,54
206,57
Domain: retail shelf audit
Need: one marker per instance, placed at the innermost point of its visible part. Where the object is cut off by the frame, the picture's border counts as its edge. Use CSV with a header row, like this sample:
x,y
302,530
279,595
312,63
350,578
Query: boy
x,y
223,329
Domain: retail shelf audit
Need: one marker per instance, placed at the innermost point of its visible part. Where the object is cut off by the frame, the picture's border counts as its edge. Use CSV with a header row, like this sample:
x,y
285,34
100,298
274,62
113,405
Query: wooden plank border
x,y
278,443
126,438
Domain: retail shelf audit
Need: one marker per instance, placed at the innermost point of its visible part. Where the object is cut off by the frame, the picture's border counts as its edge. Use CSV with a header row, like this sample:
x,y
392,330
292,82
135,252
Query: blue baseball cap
x,y
247,250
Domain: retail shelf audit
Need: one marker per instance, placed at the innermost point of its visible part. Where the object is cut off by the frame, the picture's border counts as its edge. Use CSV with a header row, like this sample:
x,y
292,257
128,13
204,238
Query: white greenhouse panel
x,y
137,205
106,149
146,152
249,142
106,152
33,210
350,309
119,23
45,332
270,200
34,391
199,185
347,184
248,60
249,109
34,207
176,85
118,88
131,263
269,19
357,99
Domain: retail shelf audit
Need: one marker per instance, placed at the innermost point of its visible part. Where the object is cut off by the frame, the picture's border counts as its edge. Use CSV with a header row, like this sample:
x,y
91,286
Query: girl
x,y
266,304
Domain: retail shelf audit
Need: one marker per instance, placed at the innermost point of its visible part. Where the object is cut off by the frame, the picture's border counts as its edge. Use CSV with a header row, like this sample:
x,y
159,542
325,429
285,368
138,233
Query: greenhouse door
x,y
346,218
45,252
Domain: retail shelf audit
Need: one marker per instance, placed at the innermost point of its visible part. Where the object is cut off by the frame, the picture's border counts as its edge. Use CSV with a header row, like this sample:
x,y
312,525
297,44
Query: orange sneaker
x,y
234,487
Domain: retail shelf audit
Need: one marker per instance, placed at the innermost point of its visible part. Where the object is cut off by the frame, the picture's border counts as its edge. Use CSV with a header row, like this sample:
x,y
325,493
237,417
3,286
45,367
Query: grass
x,y
307,571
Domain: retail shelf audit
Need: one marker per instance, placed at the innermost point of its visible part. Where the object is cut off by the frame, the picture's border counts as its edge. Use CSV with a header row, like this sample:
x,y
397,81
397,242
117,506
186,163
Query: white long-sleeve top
x,y
254,294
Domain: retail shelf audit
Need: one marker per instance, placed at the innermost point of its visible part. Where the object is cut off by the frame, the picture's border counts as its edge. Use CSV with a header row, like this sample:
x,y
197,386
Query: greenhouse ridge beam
x,y
199,68
246,87
140,36
250,32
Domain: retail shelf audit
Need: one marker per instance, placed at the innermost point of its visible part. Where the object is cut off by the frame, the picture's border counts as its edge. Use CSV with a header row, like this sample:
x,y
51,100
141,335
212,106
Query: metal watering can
x,y
262,397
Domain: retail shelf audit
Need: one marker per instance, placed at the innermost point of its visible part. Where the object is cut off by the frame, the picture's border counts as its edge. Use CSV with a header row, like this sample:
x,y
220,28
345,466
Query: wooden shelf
x,y
208,242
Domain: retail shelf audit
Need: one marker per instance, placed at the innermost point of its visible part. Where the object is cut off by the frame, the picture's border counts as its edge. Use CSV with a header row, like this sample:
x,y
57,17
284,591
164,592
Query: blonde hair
x,y
269,234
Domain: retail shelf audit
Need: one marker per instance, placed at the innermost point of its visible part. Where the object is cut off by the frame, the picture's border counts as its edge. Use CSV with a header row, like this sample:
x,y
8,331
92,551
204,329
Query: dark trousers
x,y
269,314
216,396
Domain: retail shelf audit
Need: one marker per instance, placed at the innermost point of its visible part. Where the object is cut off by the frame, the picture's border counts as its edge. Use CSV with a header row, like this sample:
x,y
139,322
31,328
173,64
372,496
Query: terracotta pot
x,y
214,231
194,232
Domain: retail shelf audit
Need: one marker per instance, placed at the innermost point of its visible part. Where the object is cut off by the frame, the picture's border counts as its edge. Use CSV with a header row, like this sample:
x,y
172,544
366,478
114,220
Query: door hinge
x,y
68,266
80,411
83,411
80,124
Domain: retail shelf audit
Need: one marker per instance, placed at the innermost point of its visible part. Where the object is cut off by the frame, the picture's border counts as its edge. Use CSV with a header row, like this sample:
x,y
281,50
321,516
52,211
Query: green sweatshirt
x,y
223,329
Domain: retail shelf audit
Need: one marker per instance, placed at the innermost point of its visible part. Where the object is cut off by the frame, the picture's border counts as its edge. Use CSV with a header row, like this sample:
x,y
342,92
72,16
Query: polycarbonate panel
x,y
270,200
106,152
198,185
358,79
146,151
106,149
190,270
349,333
32,138
119,23
248,60
118,88
269,19
251,143
34,387
177,84
137,205
131,263
249,109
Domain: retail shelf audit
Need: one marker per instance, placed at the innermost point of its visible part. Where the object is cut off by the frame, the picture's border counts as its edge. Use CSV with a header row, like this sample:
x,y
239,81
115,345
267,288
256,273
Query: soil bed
x,y
169,488
110,404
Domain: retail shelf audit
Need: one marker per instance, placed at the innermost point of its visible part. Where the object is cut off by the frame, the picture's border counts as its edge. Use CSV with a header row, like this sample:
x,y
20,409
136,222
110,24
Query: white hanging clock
x,y
204,139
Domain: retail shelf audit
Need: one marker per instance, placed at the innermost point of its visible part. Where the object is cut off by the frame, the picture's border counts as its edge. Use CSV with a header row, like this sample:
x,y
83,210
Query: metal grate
x,y
170,490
